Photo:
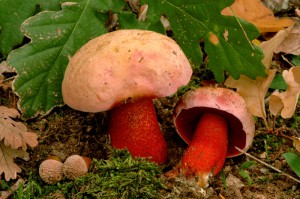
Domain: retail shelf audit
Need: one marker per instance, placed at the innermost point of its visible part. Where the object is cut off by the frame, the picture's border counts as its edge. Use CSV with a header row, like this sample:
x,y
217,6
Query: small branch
x,y
267,165
285,59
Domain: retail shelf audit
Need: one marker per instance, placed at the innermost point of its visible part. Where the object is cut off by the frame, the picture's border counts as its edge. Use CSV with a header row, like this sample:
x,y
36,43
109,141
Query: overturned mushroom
x,y
213,121
123,71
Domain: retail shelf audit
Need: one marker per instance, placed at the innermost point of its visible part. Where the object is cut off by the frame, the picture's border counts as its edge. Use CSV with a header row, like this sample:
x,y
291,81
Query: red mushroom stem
x,y
206,154
134,125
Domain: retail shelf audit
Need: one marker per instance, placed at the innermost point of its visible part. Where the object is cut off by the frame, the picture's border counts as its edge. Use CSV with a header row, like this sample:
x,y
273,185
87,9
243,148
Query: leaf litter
x,y
14,139
285,102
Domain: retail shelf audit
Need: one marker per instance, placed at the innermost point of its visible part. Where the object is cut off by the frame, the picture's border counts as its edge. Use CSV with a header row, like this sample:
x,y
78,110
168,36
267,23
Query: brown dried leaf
x,y
291,43
296,143
270,46
253,91
14,134
275,103
256,13
7,165
286,101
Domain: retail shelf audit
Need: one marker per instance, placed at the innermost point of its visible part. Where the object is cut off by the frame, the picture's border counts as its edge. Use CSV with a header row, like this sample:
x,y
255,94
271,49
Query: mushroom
x,y
123,71
213,121
51,170
76,166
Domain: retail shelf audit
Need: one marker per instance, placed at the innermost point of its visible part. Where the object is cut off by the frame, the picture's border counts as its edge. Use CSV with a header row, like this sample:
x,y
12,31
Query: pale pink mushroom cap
x,y
51,170
124,64
221,101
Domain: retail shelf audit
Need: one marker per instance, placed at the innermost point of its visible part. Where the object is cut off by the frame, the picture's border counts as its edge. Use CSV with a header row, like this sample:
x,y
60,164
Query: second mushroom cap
x,y
221,101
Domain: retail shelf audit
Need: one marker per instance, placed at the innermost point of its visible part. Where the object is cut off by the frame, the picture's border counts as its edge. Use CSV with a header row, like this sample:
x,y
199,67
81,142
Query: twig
x,y
285,59
267,165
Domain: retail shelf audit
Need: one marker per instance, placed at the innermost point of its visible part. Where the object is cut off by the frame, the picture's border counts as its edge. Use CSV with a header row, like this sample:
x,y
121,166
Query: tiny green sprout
x,y
243,173
223,177
264,180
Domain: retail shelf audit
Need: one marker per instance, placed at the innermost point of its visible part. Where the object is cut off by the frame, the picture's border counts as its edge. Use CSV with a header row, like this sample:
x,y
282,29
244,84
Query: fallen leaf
x,y
270,46
7,165
253,91
286,101
14,134
296,143
291,43
256,13
275,103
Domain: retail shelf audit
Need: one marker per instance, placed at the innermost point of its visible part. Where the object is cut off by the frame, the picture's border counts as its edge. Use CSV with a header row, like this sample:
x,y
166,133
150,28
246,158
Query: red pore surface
x,y
134,126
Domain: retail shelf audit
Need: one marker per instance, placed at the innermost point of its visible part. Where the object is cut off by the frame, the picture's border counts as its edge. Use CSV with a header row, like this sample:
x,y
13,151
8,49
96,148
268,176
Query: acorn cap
x,y
76,166
51,170
124,64
223,102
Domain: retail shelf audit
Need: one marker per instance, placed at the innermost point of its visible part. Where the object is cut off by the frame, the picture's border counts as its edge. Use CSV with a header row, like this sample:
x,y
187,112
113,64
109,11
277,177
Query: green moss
x,y
34,188
4,185
120,177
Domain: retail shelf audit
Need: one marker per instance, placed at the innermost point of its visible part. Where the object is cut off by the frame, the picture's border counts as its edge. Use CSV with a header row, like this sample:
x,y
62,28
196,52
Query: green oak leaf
x,y
55,36
53,5
13,14
227,39
11,17
128,20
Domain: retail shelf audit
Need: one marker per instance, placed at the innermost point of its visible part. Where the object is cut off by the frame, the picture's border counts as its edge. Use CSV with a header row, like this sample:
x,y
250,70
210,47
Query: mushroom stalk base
x,y
206,154
134,126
